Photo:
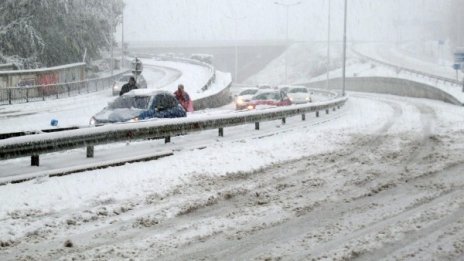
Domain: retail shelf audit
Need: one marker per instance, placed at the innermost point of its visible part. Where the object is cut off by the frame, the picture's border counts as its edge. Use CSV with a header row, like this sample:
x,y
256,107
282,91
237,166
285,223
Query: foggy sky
x,y
206,20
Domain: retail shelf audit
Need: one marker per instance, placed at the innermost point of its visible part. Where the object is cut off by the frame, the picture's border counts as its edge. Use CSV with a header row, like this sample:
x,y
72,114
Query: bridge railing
x,y
55,91
399,69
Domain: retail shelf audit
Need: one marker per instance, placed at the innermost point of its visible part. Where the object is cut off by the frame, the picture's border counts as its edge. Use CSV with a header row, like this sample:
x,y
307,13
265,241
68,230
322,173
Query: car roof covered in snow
x,y
145,92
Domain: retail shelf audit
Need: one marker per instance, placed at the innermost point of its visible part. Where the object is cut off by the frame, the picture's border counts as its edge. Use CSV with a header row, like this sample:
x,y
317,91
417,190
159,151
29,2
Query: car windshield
x,y
298,90
248,92
124,78
267,96
129,102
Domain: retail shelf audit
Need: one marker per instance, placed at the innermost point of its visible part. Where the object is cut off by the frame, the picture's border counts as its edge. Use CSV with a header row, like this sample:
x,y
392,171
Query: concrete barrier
x,y
386,85
217,100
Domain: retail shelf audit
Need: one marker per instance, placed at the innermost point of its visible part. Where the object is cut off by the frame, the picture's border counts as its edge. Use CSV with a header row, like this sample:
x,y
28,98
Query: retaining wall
x,y
385,85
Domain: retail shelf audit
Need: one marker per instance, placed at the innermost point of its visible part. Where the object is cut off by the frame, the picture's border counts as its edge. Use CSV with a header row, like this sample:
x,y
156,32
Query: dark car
x,y
264,99
138,105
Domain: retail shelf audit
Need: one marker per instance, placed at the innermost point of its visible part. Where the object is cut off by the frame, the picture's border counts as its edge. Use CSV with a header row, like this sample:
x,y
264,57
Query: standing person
x,y
183,98
132,84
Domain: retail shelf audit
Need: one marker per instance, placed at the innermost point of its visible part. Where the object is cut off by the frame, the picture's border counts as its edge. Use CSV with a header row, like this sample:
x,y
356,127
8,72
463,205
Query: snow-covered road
x,y
383,181
394,55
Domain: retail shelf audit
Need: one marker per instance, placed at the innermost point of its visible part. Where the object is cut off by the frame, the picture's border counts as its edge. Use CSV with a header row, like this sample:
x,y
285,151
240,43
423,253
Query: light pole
x,y
344,48
112,44
328,44
122,41
236,19
287,7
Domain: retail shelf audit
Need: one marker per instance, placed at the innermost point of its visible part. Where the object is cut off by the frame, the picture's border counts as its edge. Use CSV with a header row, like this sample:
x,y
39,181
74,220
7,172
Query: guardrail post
x,y
317,114
69,90
167,139
9,96
90,151
303,117
284,120
327,111
221,132
43,93
256,125
35,160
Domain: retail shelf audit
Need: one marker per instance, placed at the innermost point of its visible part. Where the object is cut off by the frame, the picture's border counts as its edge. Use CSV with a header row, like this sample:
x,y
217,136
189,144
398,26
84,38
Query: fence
x,y
55,91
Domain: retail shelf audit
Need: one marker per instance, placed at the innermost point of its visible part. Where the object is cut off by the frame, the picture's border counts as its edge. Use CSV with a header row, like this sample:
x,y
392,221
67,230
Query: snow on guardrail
x,y
35,145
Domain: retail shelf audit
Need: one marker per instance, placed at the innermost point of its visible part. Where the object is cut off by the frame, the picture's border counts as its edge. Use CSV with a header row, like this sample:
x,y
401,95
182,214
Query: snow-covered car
x,y
299,94
138,105
244,96
264,86
263,99
284,88
117,85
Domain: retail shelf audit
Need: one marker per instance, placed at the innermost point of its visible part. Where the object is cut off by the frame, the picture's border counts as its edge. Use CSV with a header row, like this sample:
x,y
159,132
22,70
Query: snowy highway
x,y
379,181
316,130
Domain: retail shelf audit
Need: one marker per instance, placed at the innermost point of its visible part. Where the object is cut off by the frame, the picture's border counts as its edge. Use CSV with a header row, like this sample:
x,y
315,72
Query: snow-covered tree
x,y
53,32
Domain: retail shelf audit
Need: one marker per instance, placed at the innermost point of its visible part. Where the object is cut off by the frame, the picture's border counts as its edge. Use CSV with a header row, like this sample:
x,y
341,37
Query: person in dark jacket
x,y
132,84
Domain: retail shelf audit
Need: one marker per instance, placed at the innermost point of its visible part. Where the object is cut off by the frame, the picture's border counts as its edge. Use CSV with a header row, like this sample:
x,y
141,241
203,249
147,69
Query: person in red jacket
x,y
183,98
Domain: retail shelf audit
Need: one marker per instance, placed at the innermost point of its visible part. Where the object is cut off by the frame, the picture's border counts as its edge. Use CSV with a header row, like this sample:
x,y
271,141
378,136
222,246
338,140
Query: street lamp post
x,y
328,43
236,19
112,44
344,48
122,41
287,7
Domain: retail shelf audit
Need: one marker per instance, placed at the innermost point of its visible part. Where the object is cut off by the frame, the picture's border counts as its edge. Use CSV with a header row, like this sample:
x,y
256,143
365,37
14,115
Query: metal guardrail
x,y
55,91
419,73
35,145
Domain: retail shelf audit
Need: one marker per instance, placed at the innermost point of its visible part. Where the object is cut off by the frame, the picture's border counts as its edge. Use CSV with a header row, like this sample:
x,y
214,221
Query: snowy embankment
x,y
308,63
379,180
392,55
396,55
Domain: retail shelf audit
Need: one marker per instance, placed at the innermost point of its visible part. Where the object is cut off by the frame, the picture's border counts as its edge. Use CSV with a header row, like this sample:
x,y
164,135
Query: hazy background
x,y
206,20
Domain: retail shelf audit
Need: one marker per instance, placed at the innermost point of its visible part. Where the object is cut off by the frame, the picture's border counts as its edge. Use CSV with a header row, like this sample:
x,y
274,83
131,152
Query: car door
x,y
167,106
284,100
173,107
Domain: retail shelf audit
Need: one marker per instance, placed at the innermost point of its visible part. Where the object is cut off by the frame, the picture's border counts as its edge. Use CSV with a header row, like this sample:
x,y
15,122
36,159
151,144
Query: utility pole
x,y
344,48
287,7
236,19
328,44
112,44
122,41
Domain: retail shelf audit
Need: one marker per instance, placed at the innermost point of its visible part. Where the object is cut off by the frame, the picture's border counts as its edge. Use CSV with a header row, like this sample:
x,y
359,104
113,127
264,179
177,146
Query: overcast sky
x,y
212,20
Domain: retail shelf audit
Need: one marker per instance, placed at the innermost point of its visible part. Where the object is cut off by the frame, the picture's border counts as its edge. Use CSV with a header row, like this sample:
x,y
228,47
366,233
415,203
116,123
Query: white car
x,y
141,83
245,96
299,94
